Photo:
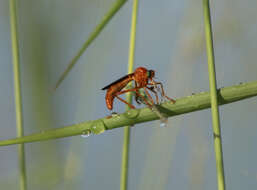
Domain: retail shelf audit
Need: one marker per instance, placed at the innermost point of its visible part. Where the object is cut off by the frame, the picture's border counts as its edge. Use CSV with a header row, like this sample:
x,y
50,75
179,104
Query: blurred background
x,y
170,40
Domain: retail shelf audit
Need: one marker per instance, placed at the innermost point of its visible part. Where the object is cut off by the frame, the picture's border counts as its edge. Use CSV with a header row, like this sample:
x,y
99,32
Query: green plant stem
x,y
17,89
183,105
114,9
126,140
214,99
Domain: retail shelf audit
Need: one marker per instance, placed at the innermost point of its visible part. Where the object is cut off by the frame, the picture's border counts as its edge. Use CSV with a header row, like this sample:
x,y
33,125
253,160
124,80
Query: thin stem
x,y
114,9
183,105
17,89
213,96
126,141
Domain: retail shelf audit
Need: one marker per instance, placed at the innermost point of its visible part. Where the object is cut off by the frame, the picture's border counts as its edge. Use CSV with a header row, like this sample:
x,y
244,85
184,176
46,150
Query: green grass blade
x,y
183,105
17,89
114,9
125,157
214,99
126,141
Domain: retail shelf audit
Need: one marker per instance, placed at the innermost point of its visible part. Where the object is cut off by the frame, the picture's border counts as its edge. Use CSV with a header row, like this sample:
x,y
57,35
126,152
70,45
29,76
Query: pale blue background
x,y
170,40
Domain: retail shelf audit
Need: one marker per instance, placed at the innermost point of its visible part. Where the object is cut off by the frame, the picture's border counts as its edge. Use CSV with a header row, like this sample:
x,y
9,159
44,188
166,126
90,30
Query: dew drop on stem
x,y
86,133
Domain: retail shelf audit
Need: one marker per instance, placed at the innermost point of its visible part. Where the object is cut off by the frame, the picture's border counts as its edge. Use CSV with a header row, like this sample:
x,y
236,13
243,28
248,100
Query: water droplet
x,y
86,133
115,115
98,127
164,122
132,113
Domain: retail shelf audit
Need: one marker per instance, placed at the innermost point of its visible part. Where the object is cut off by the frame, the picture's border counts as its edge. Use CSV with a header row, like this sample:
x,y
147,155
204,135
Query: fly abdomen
x,y
109,98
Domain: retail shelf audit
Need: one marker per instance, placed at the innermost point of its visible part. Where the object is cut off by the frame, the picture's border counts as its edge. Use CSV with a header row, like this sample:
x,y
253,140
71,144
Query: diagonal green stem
x,y
114,9
183,105
17,89
214,99
126,140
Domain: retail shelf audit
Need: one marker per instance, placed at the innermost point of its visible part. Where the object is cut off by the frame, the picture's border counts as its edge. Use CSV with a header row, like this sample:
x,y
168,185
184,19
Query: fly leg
x,y
154,108
162,91
125,91
124,101
137,93
148,95
144,99
155,93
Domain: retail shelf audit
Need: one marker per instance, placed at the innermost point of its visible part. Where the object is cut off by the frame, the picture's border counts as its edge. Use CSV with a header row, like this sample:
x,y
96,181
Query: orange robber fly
x,y
143,80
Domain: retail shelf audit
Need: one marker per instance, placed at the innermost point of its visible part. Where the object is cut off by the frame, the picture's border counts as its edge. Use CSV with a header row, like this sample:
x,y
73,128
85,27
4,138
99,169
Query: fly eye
x,y
151,73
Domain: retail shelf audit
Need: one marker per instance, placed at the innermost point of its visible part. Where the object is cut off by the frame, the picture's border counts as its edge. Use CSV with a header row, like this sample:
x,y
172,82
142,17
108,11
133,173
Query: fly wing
x,y
115,82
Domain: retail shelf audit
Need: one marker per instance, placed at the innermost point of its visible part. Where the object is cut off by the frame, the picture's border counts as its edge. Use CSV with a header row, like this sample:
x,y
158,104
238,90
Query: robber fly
x,y
143,79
